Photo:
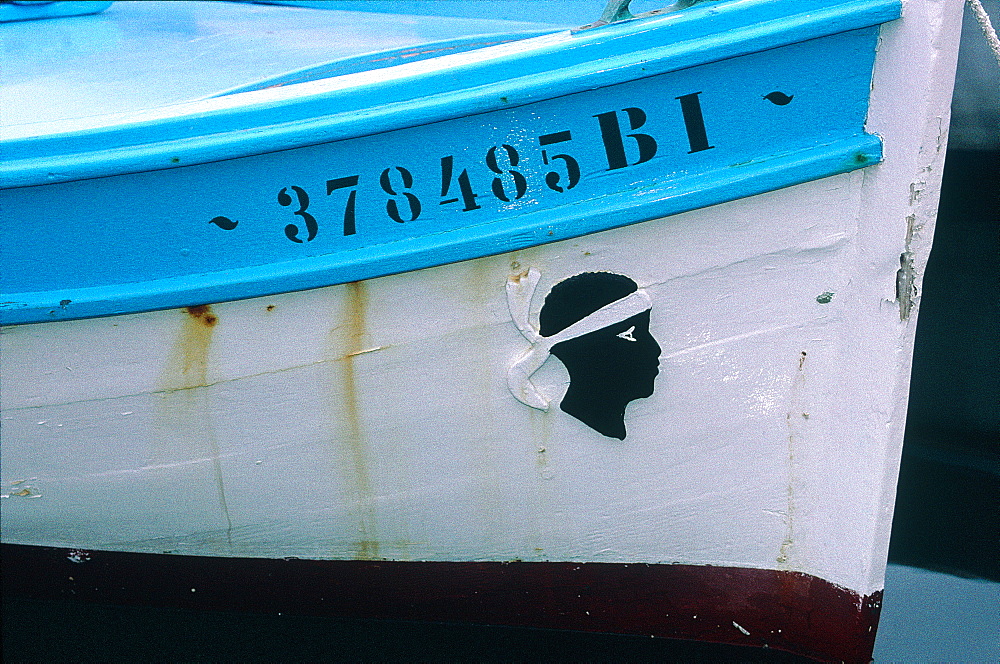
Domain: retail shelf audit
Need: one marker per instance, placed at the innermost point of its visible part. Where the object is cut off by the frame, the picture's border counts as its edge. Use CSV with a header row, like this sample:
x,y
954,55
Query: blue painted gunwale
x,y
45,10
296,119
415,94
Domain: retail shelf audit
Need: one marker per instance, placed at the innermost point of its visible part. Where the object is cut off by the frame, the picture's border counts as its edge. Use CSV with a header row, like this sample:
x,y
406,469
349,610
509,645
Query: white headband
x,y
520,289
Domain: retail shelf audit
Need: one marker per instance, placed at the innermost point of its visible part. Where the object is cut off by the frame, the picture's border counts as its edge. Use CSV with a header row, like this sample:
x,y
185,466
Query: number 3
x,y
291,230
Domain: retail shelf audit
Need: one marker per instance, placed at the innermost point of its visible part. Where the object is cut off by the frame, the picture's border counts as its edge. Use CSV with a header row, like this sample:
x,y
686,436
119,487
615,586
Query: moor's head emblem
x,y
597,324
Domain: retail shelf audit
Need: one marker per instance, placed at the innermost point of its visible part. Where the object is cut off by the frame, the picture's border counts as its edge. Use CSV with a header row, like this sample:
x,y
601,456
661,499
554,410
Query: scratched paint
x,y
794,419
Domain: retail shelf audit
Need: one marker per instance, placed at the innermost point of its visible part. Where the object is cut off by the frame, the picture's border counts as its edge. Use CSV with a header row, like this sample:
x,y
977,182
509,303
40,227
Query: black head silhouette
x,y
610,367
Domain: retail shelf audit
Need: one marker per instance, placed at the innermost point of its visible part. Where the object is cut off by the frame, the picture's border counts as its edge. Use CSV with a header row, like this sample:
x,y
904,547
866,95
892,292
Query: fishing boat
x,y
600,326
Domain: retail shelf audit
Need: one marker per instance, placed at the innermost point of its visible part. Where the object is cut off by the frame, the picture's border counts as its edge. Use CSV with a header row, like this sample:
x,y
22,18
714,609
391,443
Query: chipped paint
x,y
366,350
906,275
22,489
78,556
906,285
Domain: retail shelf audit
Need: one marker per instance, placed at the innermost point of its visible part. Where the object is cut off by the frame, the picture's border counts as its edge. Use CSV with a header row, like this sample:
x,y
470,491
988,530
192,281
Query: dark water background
x,y
946,519
948,500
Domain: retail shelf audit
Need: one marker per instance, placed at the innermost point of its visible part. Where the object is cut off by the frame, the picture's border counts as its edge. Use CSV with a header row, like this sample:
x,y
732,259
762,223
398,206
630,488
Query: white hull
x,y
373,420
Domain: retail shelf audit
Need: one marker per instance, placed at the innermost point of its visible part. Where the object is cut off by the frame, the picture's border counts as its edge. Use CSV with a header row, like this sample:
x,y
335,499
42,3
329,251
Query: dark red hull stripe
x,y
790,611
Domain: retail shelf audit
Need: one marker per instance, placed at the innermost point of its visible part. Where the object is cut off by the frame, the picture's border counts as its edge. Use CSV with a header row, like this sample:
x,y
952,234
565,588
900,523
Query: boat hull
x,y
374,419
721,605
406,428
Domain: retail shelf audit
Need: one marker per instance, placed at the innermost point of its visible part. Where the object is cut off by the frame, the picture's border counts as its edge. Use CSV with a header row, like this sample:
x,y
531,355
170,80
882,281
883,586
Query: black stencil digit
x,y
464,186
520,184
350,226
447,166
468,197
694,122
391,206
553,178
291,230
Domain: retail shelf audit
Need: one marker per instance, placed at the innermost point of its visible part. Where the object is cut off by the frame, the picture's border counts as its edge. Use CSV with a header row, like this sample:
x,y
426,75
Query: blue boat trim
x,y
33,11
415,94
525,230
623,150
381,60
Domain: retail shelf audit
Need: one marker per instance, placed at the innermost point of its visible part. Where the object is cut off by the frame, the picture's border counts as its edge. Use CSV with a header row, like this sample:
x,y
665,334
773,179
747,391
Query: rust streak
x,y
187,365
516,278
785,550
203,313
355,309
186,413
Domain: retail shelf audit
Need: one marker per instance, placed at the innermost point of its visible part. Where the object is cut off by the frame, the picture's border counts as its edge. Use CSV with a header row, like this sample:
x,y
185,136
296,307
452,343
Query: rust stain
x,y
187,365
481,282
516,278
544,489
542,428
186,413
485,288
203,313
354,332
785,549
270,307
517,269
366,549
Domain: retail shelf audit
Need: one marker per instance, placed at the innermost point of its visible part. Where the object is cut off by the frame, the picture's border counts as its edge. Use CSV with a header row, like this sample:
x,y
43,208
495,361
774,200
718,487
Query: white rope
x,y
987,26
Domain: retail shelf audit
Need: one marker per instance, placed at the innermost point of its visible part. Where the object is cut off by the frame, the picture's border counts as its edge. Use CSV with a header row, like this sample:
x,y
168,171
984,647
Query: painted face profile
x,y
597,324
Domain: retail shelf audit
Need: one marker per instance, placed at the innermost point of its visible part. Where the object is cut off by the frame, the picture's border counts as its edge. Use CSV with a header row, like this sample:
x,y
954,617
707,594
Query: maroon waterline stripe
x,y
789,611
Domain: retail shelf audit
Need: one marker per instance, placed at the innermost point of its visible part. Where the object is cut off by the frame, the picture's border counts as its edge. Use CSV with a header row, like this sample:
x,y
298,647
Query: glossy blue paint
x,y
33,11
141,56
240,218
182,134
391,58
563,12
